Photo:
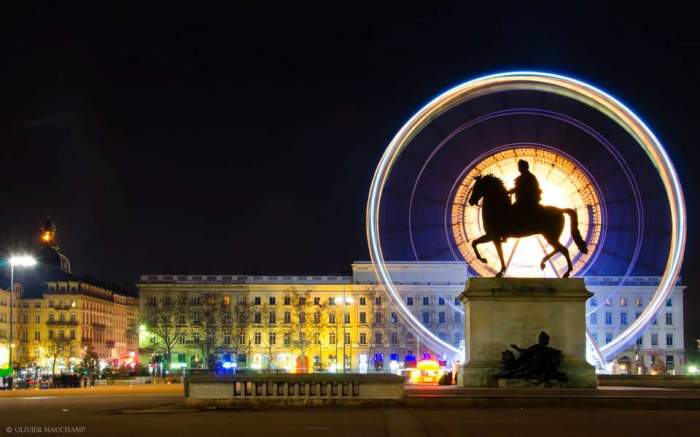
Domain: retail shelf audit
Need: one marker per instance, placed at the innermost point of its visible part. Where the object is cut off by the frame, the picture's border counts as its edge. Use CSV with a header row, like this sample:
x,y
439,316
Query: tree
x,y
240,328
205,319
90,362
302,335
269,323
377,326
58,347
161,319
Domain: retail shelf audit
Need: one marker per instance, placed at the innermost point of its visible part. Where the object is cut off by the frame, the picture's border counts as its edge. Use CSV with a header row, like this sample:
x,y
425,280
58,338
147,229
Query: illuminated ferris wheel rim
x,y
551,83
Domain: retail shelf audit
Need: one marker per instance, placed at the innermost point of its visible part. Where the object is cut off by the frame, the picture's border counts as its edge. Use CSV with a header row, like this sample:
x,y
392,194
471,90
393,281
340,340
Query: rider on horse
x,y
527,190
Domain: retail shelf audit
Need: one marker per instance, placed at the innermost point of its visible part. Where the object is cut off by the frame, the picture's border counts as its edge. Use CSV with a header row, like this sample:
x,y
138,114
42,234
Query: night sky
x,y
170,139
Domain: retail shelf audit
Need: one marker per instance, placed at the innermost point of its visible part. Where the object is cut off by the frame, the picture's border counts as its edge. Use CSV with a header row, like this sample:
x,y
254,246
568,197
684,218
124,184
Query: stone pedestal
x,y
503,311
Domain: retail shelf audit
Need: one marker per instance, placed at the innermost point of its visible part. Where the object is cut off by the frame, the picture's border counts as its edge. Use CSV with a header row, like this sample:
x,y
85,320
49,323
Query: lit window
x,y
608,302
623,301
638,302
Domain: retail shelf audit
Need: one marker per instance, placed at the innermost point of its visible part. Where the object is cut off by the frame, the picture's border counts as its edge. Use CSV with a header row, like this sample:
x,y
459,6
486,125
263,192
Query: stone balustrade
x,y
292,389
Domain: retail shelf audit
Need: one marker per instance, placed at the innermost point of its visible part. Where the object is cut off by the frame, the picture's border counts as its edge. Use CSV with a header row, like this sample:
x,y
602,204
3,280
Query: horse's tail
x,y
574,230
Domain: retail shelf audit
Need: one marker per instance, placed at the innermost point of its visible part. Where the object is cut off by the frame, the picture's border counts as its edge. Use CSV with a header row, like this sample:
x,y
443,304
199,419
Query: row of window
x,y
257,300
623,302
653,338
426,300
287,338
272,300
287,319
593,319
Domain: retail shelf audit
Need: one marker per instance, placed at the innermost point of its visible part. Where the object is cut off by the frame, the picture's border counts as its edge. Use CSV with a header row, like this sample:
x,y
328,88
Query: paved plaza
x,y
159,410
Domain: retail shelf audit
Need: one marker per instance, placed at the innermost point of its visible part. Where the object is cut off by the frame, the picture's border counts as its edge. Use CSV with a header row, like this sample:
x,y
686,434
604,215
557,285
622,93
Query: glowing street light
x,y
15,261
22,261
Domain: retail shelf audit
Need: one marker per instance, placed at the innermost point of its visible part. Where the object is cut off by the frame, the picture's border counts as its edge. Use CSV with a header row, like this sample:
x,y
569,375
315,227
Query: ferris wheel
x,y
590,152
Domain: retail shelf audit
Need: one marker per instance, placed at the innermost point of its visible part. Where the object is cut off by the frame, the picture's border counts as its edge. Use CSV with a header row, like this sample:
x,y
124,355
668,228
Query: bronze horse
x,y
502,221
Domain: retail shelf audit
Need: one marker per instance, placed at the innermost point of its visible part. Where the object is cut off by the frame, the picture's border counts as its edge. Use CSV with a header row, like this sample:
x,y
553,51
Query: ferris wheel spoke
x,y
512,253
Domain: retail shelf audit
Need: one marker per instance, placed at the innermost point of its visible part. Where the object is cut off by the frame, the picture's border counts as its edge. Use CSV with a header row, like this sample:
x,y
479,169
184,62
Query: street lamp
x,y
16,261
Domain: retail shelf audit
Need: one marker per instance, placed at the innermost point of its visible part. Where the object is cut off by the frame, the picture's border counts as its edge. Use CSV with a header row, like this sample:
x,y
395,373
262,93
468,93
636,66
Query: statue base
x,y
504,311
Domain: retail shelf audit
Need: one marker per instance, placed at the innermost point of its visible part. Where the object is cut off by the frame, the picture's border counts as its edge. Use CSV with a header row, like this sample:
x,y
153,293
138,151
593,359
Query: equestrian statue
x,y
524,217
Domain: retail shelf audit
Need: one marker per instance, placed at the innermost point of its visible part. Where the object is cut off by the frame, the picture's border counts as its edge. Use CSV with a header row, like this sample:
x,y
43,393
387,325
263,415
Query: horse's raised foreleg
x,y
499,249
483,239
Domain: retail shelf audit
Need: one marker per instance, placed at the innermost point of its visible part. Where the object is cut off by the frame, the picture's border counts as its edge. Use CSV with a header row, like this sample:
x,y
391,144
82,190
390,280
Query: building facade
x,y
616,304
322,322
56,326
59,316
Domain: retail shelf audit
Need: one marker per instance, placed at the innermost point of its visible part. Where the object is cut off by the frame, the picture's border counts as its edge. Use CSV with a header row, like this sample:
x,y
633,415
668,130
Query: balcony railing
x,y
62,322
